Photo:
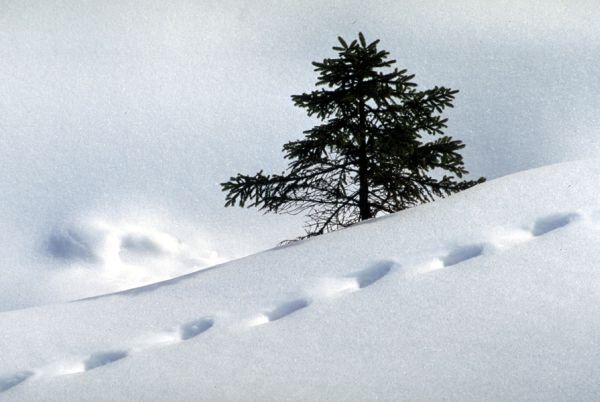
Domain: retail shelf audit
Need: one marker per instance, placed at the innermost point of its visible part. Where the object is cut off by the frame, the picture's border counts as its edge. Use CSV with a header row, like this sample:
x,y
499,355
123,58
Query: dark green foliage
x,y
374,153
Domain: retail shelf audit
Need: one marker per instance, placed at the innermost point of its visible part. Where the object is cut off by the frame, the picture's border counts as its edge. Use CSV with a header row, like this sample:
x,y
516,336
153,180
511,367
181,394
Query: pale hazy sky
x,y
125,109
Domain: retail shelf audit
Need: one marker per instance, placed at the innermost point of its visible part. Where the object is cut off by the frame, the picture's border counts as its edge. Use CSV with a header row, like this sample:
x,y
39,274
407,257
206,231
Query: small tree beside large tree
x,y
379,149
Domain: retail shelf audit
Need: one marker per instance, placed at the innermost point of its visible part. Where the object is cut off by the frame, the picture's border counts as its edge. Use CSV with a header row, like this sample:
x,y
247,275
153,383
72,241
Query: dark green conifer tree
x,y
380,147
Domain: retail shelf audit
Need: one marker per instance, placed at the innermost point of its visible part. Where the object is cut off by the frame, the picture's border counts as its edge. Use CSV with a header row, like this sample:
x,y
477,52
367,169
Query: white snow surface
x,y
491,294
121,117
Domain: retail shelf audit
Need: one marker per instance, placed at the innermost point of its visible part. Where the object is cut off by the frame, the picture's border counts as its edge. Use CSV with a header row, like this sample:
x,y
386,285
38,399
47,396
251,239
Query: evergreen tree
x,y
380,147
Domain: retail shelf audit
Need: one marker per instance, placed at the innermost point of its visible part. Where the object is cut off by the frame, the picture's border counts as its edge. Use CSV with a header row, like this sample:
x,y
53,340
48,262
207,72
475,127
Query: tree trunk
x,y
363,167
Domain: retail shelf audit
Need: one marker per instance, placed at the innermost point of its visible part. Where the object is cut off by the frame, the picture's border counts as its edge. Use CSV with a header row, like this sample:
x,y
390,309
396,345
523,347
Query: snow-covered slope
x,y
121,117
491,294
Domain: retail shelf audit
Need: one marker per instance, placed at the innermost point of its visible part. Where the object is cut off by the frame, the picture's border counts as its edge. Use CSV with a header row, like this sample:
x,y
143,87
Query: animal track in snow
x,y
194,328
103,358
552,222
287,308
462,254
92,362
372,274
540,227
329,287
11,380
182,333
454,257
282,311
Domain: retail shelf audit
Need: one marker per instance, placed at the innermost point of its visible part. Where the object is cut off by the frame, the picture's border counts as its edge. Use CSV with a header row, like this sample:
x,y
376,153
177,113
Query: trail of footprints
x,y
350,283
466,252
182,333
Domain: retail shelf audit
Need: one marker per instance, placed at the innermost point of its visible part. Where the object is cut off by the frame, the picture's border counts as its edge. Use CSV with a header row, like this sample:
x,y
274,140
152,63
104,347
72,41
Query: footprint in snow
x,y
541,227
552,222
281,311
287,308
194,328
332,287
454,257
75,365
103,358
353,282
374,273
178,334
12,380
462,254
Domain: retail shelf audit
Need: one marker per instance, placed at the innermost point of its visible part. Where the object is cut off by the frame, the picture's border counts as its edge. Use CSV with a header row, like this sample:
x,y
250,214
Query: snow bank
x,y
89,256
128,254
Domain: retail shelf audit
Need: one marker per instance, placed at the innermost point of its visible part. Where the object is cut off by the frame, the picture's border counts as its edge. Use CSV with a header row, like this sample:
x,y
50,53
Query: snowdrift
x,y
490,294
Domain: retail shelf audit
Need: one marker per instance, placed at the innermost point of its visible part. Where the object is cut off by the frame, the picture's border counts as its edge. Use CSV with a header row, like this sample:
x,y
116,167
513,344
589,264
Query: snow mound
x,y
125,254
